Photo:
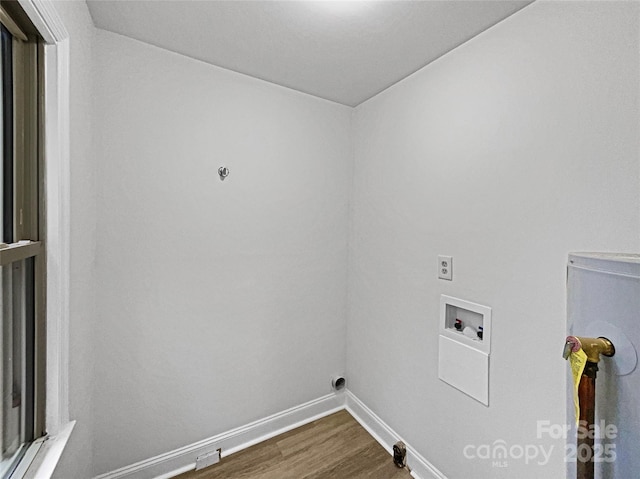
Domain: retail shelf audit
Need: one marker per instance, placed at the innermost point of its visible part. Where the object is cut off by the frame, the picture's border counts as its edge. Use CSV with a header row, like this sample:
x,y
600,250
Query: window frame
x,y
42,457
23,194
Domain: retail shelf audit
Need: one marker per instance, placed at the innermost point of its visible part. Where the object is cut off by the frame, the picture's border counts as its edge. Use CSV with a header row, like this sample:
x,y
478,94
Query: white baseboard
x,y
387,437
182,460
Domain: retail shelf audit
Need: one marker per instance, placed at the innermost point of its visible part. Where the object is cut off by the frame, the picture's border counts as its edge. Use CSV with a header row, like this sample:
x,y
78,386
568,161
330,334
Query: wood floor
x,y
332,447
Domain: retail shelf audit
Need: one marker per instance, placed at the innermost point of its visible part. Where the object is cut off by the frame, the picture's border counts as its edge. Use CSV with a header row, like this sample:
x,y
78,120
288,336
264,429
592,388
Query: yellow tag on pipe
x,y
578,361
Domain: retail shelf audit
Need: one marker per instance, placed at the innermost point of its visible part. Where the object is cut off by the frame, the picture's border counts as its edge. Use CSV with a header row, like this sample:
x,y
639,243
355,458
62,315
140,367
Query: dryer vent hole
x,y
338,383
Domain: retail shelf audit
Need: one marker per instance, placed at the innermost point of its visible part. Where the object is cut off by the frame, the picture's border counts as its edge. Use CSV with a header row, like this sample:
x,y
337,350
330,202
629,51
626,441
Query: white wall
x,y
219,303
507,153
77,460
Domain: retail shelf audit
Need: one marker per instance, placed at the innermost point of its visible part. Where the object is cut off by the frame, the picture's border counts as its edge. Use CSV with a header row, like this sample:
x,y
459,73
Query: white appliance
x,y
603,293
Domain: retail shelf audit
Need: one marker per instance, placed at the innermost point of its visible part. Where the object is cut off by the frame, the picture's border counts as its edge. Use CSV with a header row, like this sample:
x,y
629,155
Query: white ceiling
x,y
344,51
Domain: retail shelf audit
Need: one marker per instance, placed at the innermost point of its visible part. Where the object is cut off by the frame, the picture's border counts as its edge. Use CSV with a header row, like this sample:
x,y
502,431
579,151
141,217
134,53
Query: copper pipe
x,y
593,348
587,399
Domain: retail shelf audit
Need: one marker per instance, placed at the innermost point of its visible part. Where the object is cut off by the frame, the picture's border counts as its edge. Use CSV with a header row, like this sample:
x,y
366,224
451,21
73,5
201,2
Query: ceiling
x,y
344,51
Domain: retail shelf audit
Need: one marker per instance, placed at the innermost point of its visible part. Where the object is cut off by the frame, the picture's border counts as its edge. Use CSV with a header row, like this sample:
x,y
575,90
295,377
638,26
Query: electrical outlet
x,y
208,459
445,267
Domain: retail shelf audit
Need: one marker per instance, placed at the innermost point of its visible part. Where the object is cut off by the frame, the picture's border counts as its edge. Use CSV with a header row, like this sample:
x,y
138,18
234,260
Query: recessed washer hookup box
x,y
464,346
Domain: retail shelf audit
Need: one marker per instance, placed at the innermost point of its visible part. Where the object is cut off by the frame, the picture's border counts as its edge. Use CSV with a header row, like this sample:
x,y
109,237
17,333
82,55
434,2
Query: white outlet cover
x,y
445,267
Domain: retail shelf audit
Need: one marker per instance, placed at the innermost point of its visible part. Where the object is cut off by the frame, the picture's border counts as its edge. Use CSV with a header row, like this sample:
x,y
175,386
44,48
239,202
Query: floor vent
x,y
208,459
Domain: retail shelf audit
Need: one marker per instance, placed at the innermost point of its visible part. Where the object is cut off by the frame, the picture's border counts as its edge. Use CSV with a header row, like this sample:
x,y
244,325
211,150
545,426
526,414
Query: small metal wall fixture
x,y
400,454
223,171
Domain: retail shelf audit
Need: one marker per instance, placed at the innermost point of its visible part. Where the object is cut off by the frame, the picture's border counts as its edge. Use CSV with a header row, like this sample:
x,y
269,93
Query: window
x,y
22,275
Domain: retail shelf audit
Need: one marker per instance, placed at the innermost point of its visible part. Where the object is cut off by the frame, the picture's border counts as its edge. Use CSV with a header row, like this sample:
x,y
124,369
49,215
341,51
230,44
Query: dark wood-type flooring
x,y
335,446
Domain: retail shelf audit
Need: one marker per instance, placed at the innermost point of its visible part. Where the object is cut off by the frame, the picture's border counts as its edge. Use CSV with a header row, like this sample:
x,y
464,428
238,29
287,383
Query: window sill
x,y
43,455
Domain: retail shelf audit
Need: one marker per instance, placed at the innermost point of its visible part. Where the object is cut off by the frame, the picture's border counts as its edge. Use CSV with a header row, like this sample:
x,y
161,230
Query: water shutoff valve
x,y
593,347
